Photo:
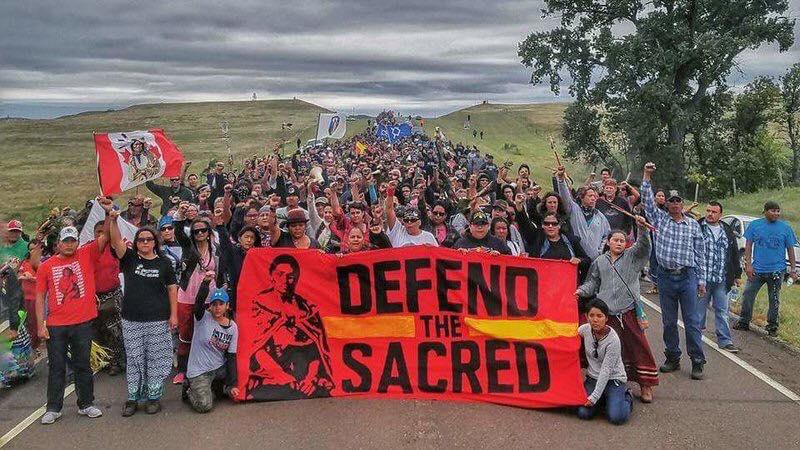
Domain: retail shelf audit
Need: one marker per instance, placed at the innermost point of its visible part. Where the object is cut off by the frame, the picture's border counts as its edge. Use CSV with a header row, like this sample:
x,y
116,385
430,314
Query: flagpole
x,y
316,136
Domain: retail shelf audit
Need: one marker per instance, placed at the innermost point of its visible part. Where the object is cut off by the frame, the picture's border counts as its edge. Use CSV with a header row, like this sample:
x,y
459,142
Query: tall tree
x,y
649,67
790,96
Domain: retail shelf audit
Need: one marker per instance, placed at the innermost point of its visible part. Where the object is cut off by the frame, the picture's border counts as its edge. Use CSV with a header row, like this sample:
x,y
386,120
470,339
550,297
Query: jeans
x,y
77,340
616,398
717,295
680,291
773,281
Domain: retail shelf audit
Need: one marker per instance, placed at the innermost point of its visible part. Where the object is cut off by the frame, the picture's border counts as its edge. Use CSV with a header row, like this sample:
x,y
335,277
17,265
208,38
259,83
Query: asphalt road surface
x,y
731,408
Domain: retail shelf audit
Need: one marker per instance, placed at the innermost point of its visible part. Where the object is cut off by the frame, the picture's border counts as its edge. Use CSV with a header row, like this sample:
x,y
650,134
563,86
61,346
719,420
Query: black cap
x,y
411,213
672,193
479,218
290,191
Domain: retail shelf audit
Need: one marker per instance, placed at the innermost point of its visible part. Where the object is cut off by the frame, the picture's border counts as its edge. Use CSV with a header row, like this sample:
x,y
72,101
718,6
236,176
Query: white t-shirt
x,y
716,229
399,237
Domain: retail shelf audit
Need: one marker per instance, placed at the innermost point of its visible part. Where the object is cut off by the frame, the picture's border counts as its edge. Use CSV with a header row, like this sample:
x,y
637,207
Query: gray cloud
x,y
427,56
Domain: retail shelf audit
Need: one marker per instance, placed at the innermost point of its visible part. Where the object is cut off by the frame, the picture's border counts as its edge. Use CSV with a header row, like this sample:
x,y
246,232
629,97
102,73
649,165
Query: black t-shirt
x,y
146,280
490,242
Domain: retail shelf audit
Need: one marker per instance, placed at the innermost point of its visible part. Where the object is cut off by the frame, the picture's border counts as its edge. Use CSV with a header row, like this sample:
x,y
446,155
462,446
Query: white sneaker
x,y
50,417
91,412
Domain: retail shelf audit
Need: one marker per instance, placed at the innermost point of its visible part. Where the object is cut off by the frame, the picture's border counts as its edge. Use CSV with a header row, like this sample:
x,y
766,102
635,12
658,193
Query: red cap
x,y
14,225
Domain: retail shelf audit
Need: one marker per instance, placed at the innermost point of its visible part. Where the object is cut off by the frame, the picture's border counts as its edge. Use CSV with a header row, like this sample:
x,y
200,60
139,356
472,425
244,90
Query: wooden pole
x,y
734,187
613,206
696,191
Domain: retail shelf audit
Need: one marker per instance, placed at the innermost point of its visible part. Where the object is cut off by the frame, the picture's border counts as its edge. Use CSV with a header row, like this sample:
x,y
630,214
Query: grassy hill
x,y
49,163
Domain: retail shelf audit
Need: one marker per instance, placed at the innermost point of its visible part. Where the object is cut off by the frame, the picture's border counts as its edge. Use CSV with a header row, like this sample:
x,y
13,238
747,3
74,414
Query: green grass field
x,y
51,163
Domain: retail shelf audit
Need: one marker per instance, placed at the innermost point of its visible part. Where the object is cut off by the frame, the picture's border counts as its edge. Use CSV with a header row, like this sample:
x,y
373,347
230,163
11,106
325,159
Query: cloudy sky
x,y
431,57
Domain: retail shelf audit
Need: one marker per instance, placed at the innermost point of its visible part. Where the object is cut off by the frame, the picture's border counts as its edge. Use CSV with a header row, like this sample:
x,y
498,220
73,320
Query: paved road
x,y
731,408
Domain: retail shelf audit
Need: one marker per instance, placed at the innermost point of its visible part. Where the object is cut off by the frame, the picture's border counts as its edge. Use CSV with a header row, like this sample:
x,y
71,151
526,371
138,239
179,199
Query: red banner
x,y
420,322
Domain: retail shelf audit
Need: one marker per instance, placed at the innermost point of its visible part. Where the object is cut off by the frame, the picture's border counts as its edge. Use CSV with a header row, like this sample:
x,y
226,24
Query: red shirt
x,y
28,286
69,286
341,227
106,272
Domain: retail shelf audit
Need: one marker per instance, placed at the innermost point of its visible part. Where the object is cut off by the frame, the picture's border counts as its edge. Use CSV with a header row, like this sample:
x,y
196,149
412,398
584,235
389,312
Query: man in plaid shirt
x,y
680,251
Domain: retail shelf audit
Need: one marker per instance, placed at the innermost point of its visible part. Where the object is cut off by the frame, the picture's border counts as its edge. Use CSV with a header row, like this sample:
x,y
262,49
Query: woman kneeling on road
x,y
211,371
605,378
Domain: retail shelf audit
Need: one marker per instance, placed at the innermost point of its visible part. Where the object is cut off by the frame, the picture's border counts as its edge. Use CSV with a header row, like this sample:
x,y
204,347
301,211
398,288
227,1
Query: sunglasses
x,y
595,349
167,228
410,220
675,200
550,224
144,240
200,231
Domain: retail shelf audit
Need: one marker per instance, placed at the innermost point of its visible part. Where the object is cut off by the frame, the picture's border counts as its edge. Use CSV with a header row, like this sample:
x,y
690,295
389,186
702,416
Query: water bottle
x,y
733,295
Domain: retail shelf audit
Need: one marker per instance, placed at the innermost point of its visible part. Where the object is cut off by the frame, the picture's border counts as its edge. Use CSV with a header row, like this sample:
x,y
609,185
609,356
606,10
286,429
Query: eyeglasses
x,y
167,228
200,231
550,224
144,240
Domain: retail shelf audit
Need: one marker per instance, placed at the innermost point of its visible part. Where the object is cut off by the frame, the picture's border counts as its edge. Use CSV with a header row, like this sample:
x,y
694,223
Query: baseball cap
x,y
767,206
323,200
479,218
164,221
290,191
68,233
14,225
411,213
219,295
674,194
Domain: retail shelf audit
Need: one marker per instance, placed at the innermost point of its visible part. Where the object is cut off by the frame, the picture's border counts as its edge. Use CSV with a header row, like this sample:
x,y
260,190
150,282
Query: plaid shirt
x,y
716,255
679,243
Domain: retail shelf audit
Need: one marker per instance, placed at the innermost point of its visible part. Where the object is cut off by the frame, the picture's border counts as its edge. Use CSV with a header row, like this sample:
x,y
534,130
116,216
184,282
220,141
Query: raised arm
x,y
111,235
388,208
564,193
648,197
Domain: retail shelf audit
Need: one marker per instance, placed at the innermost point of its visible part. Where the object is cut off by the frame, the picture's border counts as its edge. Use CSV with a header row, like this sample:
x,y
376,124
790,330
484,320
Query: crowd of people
x,y
181,270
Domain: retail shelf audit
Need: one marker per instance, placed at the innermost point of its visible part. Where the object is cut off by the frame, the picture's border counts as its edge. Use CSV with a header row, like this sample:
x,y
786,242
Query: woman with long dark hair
x,y
200,255
149,314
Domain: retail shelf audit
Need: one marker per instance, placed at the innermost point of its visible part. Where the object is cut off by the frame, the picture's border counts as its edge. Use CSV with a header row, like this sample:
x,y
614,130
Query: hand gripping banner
x,y
421,322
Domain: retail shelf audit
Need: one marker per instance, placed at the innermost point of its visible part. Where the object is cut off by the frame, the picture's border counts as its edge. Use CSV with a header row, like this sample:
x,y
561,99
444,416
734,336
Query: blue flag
x,y
393,133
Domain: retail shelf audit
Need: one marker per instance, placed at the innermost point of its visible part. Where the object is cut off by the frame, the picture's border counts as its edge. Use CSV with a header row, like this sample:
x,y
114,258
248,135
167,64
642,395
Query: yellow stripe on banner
x,y
522,329
369,327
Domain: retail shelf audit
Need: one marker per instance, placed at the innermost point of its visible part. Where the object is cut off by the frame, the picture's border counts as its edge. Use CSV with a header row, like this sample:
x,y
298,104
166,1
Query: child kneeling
x,y
211,370
606,382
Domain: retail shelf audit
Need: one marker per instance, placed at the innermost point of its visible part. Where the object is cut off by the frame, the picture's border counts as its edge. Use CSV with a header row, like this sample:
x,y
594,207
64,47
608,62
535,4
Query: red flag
x,y
126,160
417,322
